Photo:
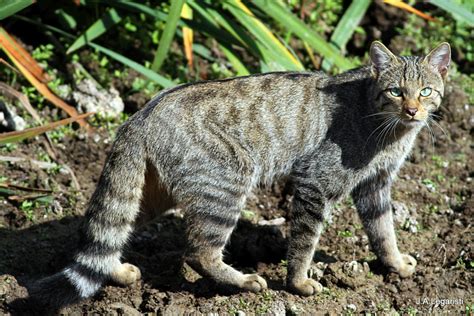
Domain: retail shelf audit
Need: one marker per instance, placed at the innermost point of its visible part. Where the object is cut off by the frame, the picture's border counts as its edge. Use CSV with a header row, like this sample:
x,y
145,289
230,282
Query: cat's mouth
x,y
412,121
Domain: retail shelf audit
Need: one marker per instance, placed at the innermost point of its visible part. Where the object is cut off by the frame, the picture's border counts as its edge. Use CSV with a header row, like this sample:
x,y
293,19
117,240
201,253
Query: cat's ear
x,y
381,57
440,58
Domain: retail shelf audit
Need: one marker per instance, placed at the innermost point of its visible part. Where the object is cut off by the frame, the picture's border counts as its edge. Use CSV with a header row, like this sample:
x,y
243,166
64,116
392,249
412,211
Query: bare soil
x,y
433,208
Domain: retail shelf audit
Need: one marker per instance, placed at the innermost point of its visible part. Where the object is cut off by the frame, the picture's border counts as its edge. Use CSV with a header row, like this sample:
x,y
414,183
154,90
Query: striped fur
x,y
205,146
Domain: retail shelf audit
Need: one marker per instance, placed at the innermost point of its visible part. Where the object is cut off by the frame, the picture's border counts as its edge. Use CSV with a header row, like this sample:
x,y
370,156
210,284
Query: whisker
x,y
386,121
436,115
439,126
379,113
386,131
432,137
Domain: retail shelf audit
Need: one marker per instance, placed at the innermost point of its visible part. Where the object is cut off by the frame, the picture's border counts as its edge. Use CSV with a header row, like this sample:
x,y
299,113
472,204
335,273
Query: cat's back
x,y
238,94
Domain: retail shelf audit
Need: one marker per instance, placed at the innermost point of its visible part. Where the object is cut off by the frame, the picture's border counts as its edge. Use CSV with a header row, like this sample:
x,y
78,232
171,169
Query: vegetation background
x,y
63,58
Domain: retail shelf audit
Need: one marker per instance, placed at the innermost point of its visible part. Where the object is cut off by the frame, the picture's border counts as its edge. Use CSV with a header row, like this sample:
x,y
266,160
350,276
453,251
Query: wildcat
x,y
204,146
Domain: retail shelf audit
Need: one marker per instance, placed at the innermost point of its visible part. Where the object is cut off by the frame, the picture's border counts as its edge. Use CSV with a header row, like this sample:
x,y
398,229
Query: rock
x,y
315,272
124,309
272,222
92,98
9,120
277,308
351,307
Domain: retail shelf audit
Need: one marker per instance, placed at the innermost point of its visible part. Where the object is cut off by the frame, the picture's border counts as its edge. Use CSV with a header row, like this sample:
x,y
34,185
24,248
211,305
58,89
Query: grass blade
x,y
456,9
295,25
137,7
187,13
349,21
408,8
162,81
11,48
235,62
346,26
9,44
12,137
66,19
98,28
168,34
120,58
10,7
280,54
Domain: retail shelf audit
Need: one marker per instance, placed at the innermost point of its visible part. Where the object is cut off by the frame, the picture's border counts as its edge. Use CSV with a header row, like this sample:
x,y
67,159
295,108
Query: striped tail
x,y
106,227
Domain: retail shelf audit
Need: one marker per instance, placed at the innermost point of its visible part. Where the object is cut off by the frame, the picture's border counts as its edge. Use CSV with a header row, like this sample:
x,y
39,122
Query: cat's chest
x,y
341,168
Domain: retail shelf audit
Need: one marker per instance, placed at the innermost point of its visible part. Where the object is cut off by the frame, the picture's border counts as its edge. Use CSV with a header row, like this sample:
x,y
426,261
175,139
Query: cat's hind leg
x,y
211,212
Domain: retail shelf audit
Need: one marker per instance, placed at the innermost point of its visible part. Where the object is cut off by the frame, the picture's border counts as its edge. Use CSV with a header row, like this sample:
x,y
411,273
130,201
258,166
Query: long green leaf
x,y
66,19
225,38
346,26
280,55
235,62
228,33
162,81
98,28
292,23
457,10
137,7
120,58
10,7
168,34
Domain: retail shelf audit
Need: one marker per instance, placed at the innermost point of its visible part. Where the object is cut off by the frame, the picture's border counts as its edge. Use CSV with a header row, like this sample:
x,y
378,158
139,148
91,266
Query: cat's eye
x,y
425,92
396,92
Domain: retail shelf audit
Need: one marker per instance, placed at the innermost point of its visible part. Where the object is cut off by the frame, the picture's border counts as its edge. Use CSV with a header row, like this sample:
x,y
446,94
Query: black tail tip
x,y
31,306
46,296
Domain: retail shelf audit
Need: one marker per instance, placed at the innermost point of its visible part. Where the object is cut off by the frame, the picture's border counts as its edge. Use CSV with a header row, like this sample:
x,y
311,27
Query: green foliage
x,y
109,19
168,34
345,233
10,7
43,52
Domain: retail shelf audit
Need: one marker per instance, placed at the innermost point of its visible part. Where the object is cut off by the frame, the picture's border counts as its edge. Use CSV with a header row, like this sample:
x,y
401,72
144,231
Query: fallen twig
x,y
23,188
21,198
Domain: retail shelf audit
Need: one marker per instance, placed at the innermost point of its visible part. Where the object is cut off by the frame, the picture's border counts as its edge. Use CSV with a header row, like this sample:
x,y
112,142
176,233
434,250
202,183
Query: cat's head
x,y
409,87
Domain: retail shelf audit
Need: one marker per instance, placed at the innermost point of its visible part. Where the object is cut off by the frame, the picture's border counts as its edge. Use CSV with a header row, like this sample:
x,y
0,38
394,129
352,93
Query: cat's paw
x,y
126,274
307,287
407,266
254,283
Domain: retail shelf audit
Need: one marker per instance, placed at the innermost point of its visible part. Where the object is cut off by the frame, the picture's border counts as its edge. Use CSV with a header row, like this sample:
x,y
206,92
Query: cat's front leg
x,y
372,198
309,211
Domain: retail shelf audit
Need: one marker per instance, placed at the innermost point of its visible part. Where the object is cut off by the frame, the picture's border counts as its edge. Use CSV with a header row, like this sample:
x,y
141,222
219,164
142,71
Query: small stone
x,y
277,308
125,309
354,265
392,288
240,313
366,267
351,307
272,222
57,208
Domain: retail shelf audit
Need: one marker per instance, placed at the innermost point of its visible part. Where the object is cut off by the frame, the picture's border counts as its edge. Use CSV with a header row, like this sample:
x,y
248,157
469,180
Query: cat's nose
x,y
411,111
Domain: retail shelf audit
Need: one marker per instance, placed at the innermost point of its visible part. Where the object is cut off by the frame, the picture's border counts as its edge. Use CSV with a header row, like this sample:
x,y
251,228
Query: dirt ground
x,y
433,207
